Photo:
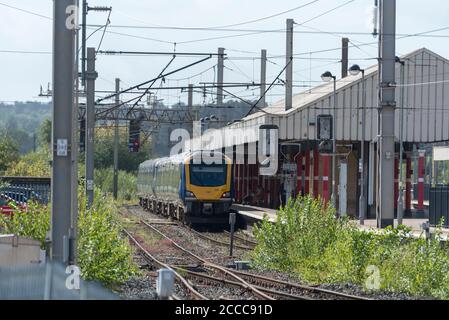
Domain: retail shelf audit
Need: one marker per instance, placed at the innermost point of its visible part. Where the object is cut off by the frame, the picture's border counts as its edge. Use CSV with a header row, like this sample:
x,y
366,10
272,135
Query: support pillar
x,y
326,161
408,186
237,181
266,189
396,184
254,179
244,180
277,190
316,173
421,175
299,189
307,173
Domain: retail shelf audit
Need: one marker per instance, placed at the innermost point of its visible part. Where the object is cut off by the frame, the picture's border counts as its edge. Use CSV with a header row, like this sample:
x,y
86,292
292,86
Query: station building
x,y
423,98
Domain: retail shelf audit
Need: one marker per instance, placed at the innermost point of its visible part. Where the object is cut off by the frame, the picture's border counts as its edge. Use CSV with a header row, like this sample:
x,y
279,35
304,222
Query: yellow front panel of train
x,y
209,193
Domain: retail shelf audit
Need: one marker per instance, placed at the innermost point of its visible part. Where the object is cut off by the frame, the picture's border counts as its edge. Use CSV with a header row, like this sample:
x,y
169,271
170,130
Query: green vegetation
x,y
34,164
308,241
33,223
8,153
104,151
127,183
103,253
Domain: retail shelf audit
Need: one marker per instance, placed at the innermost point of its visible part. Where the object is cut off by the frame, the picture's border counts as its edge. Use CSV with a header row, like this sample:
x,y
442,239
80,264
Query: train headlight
x,y
226,195
190,194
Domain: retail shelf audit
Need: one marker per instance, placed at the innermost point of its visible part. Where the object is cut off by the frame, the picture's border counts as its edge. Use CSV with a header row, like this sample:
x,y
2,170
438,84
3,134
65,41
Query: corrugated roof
x,y
308,97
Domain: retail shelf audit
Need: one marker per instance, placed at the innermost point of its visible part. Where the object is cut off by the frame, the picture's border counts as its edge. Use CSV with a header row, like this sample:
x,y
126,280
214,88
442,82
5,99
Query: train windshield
x,y
208,175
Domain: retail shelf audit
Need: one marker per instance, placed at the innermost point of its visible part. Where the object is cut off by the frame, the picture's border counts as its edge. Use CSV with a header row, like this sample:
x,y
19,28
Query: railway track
x,y
248,242
219,242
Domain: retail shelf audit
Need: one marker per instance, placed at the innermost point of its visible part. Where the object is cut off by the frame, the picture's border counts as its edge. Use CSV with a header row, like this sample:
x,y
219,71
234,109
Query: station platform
x,y
254,214
414,224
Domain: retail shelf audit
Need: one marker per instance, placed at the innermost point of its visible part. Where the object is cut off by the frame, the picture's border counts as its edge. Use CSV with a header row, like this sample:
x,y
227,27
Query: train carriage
x,y
192,191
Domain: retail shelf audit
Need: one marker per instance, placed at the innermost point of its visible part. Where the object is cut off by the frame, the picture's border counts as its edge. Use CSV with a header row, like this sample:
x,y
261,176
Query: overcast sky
x,y
22,74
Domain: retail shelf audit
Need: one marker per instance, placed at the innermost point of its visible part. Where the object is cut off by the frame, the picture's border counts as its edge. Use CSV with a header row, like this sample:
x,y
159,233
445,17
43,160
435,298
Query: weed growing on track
x,y
103,253
307,240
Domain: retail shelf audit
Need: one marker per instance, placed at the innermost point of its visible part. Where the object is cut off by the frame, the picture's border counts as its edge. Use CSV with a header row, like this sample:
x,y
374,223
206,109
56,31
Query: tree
x,y
45,133
104,151
33,164
9,152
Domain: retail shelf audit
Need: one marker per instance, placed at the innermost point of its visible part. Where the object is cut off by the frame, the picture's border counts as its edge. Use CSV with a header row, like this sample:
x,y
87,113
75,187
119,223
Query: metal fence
x,y
439,205
23,189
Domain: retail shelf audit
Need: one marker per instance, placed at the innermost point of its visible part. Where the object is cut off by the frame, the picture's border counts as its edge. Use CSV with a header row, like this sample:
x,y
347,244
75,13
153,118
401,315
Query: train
x,y
188,187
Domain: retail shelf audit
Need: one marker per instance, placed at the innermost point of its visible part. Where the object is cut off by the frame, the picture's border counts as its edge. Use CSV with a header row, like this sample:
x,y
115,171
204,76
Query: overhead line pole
x,y
289,70
263,77
83,44
344,57
116,142
387,70
220,80
63,147
90,77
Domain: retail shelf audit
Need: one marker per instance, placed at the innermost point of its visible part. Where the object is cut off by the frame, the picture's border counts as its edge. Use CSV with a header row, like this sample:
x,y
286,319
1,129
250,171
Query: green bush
x,y
103,253
307,240
34,164
127,183
33,223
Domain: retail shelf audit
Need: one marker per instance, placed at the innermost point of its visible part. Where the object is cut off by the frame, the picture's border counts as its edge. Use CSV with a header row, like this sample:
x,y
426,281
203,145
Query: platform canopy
x,y
426,108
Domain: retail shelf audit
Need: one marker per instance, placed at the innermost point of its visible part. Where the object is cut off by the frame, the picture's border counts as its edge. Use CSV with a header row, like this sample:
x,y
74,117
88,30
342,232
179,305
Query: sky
x,y
23,73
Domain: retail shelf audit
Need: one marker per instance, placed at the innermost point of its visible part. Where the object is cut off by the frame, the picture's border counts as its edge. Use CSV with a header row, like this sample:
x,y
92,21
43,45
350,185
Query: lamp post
x,y
328,77
356,70
401,146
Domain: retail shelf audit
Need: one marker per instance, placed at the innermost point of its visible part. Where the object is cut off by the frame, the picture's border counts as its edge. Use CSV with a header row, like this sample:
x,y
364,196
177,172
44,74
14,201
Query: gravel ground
x,y
141,288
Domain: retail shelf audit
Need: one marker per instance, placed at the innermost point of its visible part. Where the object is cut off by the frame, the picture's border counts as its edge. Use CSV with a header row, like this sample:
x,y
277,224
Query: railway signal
x,y
134,136
82,135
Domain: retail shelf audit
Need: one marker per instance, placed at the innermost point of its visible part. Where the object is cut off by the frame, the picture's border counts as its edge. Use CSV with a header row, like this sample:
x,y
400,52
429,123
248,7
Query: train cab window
x,y
208,175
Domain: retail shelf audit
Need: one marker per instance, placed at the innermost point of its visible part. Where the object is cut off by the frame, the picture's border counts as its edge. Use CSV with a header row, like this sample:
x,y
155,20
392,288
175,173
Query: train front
x,y
208,191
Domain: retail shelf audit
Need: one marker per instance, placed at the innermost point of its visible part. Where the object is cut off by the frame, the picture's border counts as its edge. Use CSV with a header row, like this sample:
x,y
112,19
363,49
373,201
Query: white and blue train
x,y
193,192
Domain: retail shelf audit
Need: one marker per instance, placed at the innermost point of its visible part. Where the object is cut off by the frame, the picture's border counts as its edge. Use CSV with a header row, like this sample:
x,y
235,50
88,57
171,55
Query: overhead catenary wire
x,y
149,81
270,16
152,83
268,89
108,22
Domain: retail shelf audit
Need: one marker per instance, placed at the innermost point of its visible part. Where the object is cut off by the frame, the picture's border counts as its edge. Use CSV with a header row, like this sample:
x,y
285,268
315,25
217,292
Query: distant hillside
x,y
22,120
24,115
